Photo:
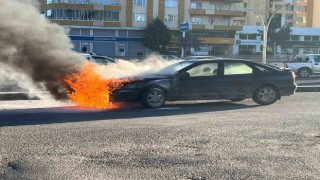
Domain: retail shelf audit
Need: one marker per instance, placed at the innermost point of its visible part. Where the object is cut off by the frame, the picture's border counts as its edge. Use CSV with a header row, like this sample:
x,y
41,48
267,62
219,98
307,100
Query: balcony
x,y
224,11
220,27
87,2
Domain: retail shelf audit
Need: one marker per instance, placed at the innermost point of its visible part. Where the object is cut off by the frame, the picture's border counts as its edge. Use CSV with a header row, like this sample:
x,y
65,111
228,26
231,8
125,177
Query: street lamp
x,y
265,30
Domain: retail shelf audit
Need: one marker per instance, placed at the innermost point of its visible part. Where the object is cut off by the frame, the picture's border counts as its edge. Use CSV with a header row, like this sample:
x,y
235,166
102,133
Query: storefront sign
x,y
248,42
104,38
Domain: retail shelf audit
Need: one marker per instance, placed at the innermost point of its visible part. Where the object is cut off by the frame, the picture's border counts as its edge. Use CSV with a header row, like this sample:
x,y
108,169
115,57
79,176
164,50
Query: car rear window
x,y
233,68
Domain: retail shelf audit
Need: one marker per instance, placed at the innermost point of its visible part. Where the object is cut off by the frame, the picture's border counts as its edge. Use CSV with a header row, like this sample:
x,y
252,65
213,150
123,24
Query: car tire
x,y
304,72
153,98
266,95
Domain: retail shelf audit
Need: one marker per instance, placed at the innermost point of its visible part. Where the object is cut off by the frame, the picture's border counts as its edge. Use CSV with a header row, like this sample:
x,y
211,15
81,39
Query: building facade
x,y
115,27
292,13
303,40
313,13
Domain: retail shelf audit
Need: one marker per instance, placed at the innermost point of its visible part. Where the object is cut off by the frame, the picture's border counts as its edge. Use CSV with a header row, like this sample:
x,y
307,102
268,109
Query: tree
x,y
189,41
157,36
279,36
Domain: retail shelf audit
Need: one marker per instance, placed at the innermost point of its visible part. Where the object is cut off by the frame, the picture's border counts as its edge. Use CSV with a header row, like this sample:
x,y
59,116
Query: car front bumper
x,y
125,95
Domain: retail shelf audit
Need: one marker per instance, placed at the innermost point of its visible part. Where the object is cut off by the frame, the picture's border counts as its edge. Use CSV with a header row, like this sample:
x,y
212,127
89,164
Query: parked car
x,y
200,57
170,57
99,59
303,66
234,80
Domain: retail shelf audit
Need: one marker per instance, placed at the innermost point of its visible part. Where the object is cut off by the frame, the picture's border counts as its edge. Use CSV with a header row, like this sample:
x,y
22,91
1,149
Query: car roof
x,y
219,59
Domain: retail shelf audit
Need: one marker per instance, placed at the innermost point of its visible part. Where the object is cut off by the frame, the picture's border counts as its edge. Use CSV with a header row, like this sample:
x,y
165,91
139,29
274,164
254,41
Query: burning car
x,y
229,79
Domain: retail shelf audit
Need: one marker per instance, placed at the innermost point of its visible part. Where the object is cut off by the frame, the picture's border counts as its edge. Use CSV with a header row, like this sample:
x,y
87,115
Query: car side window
x,y
208,69
233,68
317,58
99,60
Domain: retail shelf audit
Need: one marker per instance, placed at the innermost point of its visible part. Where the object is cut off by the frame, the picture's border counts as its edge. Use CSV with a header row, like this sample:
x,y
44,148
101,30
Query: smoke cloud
x,y
33,46
37,55
125,68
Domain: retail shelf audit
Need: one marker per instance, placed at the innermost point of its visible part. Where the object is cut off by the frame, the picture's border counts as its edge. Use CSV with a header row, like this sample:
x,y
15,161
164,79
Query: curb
x,y
308,89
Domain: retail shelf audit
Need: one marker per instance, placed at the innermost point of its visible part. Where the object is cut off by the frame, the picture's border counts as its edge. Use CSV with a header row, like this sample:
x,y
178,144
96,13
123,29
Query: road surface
x,y
188,140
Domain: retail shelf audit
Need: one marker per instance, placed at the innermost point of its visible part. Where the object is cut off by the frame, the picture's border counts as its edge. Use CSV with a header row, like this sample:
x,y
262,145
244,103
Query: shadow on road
x,y
73,114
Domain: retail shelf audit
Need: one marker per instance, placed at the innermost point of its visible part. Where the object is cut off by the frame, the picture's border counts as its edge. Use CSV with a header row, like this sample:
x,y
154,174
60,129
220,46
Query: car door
x,y
316,65
238,80
201,83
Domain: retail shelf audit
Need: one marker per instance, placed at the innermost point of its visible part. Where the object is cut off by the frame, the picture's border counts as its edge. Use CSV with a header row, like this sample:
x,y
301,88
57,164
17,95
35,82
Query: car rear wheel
x,y
153,98
266,95
304,72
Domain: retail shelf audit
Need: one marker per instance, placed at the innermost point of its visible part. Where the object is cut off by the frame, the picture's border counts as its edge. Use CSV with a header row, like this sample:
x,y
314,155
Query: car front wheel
x,y
266,95
153,98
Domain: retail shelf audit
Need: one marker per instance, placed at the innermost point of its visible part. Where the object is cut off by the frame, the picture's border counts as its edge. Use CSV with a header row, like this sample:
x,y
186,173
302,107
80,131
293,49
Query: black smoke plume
x,y
33,46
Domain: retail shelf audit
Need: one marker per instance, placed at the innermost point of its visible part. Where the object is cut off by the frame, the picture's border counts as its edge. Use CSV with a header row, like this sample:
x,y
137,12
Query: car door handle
x,y
316,64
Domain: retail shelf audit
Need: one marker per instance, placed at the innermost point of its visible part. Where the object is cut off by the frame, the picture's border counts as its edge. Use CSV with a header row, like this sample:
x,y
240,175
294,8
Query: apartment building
x,y
292,13
313,13
115,27
257,6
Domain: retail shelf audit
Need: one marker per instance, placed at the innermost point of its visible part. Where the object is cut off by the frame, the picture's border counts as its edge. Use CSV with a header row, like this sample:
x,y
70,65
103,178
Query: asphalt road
x,y
42,139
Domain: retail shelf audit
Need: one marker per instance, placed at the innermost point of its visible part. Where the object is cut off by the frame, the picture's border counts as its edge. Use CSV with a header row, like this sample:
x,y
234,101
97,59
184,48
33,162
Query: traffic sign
x,y
185,27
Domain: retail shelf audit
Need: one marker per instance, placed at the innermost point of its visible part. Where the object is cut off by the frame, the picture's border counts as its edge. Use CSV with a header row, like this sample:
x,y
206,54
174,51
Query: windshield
x,y
169,70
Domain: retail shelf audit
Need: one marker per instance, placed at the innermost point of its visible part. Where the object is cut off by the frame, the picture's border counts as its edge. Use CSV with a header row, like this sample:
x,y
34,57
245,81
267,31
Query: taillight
x,y
286,65
293,76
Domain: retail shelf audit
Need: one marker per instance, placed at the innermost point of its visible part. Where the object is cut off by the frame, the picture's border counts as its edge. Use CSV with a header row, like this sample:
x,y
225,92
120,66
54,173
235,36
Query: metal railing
x,y
94,2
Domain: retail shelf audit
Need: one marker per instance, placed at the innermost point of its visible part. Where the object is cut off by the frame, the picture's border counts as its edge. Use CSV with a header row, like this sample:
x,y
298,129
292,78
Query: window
x,y
139,2
169,18
307,38
139,17
196,20
295,38
111,16
49,13
252,36
289,8
315,38
289,16
243,36
208,69
316,58
171,3
196,5
233,68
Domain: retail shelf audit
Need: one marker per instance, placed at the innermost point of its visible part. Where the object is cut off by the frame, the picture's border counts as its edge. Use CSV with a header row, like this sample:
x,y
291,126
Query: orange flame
x,y
89,89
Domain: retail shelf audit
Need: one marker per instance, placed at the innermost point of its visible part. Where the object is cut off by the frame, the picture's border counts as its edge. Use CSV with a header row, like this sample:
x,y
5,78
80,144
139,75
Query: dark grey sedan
x,y
230,79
